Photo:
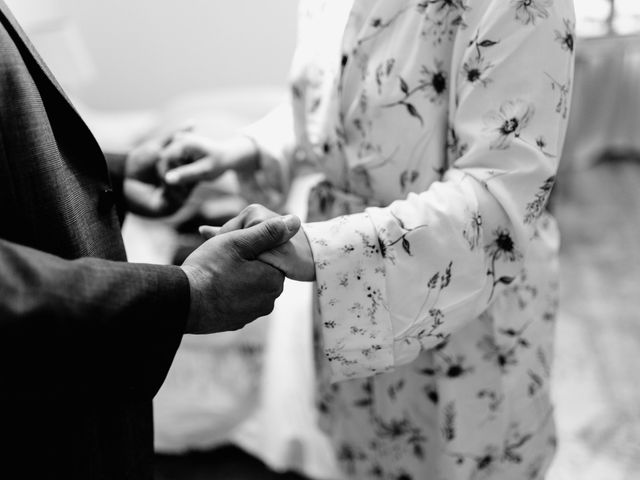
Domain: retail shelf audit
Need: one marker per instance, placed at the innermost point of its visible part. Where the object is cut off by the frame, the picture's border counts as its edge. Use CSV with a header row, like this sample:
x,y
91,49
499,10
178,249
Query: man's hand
x,y
145,189
230,287
294,257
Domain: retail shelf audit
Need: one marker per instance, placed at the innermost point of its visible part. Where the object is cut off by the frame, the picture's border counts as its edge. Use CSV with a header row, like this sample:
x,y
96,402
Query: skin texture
x,y
189,158
230,286
294,258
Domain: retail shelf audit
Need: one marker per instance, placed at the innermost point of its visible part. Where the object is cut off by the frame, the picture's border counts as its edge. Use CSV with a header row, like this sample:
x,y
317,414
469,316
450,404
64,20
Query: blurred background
x,y
137,68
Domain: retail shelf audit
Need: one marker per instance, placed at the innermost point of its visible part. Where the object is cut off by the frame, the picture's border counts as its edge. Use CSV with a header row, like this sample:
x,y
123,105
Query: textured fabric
x,y
72,195
438,126
85,338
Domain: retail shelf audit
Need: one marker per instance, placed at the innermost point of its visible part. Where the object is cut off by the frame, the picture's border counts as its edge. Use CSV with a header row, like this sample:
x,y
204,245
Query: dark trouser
x,y
225,463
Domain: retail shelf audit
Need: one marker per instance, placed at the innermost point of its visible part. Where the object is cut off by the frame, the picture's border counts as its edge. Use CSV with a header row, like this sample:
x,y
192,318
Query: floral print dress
x,y
438,126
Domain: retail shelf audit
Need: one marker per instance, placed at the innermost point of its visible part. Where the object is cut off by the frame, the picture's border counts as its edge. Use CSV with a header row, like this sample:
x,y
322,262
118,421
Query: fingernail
x,y
207,231
292,222
171,177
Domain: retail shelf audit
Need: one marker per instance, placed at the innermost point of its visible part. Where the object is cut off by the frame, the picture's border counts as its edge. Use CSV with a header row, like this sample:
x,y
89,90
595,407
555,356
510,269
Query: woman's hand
x,y
191,158
294,258
161,173
145,190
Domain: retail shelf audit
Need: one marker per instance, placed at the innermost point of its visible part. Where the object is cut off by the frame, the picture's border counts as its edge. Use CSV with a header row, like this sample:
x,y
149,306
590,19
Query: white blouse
x,y
438,126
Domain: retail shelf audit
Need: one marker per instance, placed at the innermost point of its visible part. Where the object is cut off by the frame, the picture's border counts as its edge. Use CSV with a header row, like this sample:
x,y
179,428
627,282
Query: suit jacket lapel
x,y
23,42
31,56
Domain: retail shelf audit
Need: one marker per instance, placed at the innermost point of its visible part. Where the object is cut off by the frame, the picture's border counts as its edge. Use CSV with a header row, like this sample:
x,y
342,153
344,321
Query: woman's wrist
x,y
309,266
243,154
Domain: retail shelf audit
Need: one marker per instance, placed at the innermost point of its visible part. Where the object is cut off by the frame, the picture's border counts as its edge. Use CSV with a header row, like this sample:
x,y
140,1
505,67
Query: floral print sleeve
x,y
489,82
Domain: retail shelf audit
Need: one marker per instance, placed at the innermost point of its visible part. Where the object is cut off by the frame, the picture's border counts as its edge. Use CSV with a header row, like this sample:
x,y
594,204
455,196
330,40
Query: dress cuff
x,y
355,323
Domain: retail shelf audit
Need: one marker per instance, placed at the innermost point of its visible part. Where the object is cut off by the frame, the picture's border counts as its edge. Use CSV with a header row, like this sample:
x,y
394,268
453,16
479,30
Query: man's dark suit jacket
x,y
86,339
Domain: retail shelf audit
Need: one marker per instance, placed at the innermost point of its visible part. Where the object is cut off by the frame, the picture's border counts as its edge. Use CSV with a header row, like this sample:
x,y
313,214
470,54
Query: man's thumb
x,y
265,236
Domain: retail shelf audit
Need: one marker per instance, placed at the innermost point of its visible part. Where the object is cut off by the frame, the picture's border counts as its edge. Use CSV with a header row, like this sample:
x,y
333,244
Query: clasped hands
x,y
238,272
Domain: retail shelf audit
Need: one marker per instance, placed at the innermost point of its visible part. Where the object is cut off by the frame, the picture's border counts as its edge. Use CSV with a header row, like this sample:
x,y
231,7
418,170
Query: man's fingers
x,y
189,173
267,235
207,231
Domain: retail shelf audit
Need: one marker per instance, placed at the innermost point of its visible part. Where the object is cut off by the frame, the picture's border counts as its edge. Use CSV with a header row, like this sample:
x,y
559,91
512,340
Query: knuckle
x,y
273,285
277,279
266,308
279,287
239,244
237,325
252,209
271,230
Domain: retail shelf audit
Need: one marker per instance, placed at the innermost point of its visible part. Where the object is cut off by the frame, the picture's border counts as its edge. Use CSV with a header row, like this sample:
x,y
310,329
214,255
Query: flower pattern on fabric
x,y
508,122
476,70
528,11
438,127
566,37
433,84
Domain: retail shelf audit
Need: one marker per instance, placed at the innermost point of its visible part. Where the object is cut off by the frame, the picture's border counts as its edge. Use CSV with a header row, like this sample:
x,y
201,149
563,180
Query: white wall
x,y
148,51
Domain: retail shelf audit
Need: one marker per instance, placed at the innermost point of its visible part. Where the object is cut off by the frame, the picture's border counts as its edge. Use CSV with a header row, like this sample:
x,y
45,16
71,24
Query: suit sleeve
x,y
88,325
